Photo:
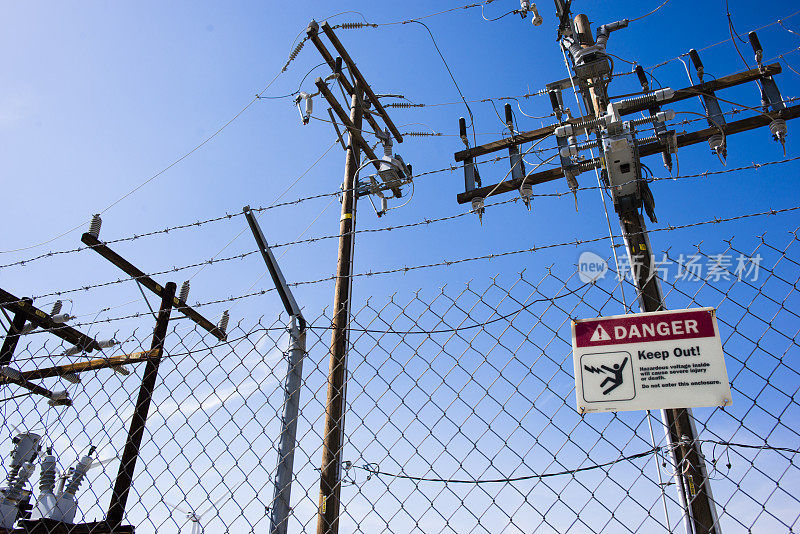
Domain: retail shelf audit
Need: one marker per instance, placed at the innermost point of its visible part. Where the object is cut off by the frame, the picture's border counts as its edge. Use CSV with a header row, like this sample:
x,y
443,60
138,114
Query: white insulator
x,y
666,115
26,444
61,318
387,144
184,293
10,373
778,129
477,207
717,143
47,485
119,369
564,131
79,473
59,398
568,151
537,18
47,478
664,94
14,491
107,343
72,378
94,226
223,322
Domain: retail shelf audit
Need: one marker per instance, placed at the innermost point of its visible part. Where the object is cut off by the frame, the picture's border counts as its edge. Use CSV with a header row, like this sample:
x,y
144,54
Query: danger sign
x,y
669,359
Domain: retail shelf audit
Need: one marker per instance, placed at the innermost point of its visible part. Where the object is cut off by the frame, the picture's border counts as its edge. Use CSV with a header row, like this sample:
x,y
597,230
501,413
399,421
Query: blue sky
x,y
100,97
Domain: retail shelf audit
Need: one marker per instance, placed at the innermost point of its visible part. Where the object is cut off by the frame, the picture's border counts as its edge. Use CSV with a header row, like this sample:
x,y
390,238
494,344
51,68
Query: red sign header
x,y
644,328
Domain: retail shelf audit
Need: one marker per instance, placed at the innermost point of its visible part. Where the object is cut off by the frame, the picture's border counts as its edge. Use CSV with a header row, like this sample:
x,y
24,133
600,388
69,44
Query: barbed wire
x,y
423,222
405,269
451,168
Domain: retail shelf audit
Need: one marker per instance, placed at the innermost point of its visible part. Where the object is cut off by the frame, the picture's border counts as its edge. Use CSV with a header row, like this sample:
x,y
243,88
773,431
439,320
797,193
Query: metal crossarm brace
x,y
127,464
12,336
135,273
45,322
281,505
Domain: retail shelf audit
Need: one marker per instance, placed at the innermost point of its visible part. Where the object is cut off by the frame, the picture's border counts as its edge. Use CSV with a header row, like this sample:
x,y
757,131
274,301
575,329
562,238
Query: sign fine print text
x,y
646,361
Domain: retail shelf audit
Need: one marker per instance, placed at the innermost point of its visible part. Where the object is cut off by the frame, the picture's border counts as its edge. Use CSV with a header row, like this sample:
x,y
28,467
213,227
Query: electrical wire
x,y
156,175
376,471
732,31
469,110
748,446
407,21
787,29
665,2
513,11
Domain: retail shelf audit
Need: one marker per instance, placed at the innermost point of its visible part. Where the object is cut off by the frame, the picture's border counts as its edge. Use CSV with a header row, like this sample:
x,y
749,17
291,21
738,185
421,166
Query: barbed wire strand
x,y
405,269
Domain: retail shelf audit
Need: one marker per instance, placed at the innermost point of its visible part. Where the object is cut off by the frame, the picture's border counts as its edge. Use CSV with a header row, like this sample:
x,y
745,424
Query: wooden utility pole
x,y
364,104
689,465
593,72
330,482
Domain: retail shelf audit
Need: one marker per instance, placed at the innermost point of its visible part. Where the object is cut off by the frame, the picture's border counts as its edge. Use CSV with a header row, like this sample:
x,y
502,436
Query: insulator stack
x,y
223,322
94,226
47,480
355,25
184,294
403,105
294,54
644,100
422,134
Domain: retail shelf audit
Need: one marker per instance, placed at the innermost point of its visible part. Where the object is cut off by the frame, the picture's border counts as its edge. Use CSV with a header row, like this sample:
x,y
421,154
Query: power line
x,y
665,2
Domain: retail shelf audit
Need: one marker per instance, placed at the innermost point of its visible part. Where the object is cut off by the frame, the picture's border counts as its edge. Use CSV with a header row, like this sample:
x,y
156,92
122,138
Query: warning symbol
x,y
607,376
600,334
615,377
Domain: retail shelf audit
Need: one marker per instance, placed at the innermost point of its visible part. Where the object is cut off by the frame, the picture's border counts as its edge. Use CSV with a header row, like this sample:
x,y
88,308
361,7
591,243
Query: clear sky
x,y
98,98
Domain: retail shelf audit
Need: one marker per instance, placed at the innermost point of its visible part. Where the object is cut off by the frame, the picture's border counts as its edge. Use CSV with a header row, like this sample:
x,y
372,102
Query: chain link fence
x,y
460,412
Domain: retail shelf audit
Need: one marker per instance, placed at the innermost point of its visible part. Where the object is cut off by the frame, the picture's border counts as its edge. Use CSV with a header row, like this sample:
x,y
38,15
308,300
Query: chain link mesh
x,y
460,414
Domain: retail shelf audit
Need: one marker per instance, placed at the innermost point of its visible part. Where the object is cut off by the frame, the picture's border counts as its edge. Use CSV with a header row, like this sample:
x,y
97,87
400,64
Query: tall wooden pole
x,y
330,481
689,465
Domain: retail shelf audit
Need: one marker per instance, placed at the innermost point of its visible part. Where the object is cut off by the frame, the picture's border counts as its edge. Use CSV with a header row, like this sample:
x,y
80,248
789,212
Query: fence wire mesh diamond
x,y
460,413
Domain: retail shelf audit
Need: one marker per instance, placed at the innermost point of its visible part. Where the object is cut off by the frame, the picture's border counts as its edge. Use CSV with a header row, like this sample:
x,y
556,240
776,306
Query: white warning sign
x,y
644,361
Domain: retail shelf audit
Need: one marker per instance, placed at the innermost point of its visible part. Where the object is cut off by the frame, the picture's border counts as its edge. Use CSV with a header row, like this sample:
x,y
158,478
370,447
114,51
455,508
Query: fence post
x,y
127,465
